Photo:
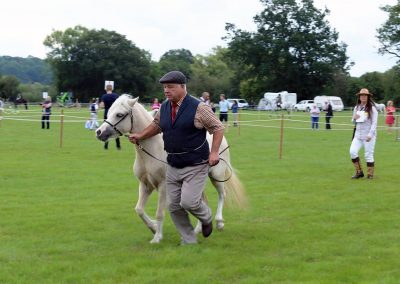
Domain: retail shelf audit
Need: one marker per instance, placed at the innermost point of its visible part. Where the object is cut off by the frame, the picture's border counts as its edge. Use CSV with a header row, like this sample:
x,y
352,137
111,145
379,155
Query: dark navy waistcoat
x,y
185,144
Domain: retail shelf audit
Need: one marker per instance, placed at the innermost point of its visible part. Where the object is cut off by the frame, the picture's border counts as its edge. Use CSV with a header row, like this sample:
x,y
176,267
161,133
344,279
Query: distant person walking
x,y
106,102
46,112
314,112
329,115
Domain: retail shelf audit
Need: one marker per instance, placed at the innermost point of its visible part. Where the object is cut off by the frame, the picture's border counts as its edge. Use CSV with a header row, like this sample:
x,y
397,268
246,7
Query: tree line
x,y
293,49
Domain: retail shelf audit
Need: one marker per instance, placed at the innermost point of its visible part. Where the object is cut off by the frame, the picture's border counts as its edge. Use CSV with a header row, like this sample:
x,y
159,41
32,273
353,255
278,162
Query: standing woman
x,y
46,112
365,117
390,111
314,117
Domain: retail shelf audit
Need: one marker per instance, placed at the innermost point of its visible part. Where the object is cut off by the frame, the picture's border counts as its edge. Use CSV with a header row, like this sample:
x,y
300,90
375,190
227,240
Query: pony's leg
x,y
160,214
220,187
144,194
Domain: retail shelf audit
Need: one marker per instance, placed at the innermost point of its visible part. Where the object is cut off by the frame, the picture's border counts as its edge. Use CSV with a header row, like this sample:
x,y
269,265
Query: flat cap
x,y
173,77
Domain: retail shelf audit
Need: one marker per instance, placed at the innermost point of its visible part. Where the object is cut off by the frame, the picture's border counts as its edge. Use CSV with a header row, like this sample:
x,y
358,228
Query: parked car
x,y
304,105
242,103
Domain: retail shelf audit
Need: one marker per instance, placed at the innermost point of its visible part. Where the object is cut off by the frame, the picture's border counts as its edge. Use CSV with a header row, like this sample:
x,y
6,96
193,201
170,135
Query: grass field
x,y
66,214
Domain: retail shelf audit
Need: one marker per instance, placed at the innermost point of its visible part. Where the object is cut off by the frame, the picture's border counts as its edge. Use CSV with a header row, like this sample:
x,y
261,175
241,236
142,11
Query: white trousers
x,y
369,148
93,122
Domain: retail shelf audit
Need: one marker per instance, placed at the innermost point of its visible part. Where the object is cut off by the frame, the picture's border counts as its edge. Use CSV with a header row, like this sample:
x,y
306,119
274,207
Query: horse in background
x,y
127,115
380,107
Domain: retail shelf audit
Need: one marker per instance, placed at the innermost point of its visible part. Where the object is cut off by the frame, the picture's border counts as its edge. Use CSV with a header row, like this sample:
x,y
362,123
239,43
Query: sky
x,y
197,25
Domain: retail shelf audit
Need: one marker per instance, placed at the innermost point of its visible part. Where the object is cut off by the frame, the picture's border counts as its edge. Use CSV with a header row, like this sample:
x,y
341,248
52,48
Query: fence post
x,y
61,127
238,123
281,139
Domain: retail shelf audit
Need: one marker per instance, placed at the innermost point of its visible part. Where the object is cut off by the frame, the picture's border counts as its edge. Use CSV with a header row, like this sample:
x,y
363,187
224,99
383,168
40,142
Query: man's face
x,y
174,92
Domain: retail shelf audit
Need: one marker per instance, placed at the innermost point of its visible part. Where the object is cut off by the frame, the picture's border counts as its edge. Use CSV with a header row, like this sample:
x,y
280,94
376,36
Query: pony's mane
x,y
122,101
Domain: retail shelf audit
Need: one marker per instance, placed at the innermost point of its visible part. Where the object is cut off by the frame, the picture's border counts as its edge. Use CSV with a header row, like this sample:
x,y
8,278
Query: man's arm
x,y
148,132
216,143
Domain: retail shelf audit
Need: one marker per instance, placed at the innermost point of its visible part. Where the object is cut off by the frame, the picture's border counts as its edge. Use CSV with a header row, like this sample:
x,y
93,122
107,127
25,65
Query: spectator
x,y
93,114
46,112
223,109
314,117
235,109
390,118
329,114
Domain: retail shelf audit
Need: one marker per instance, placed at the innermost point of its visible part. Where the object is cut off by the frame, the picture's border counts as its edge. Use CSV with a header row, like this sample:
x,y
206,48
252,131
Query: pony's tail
x,y
234,190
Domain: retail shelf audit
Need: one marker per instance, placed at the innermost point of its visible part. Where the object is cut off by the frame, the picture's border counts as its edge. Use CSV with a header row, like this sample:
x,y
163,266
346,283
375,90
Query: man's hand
x,y
213,159
134,138
368,138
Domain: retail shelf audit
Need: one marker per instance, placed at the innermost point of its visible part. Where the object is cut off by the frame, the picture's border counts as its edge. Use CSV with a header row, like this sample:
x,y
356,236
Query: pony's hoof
x,y
156,240
220,225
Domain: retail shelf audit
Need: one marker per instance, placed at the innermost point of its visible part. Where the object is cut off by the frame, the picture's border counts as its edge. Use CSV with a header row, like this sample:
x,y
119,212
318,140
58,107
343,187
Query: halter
x,y
114,126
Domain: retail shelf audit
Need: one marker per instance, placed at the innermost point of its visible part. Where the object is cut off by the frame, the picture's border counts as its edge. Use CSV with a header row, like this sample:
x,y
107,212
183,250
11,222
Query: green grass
x,y
66,214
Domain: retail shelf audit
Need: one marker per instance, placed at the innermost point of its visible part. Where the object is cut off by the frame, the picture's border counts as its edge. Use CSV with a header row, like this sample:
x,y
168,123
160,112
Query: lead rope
x,y
202,163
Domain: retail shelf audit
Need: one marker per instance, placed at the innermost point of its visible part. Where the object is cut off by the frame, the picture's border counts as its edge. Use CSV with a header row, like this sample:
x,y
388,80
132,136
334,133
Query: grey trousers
x,y
184,190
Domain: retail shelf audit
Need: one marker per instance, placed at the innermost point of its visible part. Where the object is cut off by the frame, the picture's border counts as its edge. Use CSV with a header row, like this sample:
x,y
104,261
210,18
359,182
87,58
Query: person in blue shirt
x,y
223,109
235,109
106,102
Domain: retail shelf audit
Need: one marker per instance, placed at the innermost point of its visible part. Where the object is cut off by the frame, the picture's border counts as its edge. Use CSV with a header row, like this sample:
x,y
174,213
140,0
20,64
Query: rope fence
x,y
282,121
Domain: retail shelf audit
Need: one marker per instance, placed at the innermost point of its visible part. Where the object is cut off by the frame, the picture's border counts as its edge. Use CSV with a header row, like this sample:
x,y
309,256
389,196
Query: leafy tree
x,y
389,32
33,92
26,70
177,59
293,49
373,81
391,85
211,73
9,87
83,59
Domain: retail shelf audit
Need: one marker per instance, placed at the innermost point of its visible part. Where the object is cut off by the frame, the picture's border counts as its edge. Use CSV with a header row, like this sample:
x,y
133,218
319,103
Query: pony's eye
x,y
119,115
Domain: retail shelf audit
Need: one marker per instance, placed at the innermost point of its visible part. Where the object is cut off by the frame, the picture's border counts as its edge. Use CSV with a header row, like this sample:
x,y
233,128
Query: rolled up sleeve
x,y
205,118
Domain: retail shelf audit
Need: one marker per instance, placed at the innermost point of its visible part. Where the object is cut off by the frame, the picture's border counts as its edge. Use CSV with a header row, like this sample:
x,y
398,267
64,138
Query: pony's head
x,y
119,119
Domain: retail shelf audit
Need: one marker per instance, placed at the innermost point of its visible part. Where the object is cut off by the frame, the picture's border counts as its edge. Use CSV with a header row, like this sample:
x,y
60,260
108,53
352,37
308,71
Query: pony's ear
x,y
132,102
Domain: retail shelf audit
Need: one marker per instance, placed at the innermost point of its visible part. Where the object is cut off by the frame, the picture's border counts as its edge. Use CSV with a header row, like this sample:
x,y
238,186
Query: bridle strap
x,y
114,126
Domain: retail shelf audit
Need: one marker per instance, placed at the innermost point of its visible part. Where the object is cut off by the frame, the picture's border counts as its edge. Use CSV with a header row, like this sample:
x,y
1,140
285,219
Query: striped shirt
x,y
204,118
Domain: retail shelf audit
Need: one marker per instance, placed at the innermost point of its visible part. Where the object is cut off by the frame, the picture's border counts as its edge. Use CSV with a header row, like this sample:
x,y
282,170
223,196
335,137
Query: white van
x,y
336,102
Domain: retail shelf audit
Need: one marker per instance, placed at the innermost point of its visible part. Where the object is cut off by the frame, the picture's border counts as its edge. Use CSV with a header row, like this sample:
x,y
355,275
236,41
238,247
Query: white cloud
x,y
197,25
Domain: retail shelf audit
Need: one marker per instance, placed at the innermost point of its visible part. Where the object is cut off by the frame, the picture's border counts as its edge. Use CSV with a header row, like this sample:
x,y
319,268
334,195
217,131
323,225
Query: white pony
x,y
126,115
380,107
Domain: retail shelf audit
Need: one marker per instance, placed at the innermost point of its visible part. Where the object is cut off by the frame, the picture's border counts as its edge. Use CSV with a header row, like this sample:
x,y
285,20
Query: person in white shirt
x,y
365,117
223,109
314,112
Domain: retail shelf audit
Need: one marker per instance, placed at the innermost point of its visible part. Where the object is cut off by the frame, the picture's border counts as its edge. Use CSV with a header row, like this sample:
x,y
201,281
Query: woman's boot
x,y
359,173
370,166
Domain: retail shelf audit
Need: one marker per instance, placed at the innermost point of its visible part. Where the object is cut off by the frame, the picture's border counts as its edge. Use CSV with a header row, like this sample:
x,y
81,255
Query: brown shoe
x,y
206,229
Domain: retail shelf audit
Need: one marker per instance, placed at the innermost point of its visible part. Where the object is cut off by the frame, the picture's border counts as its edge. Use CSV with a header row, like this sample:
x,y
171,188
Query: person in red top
x,y
390,111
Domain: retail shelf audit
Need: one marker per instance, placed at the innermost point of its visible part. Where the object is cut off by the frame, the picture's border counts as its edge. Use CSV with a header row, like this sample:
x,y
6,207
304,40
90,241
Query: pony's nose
x,y
98,132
